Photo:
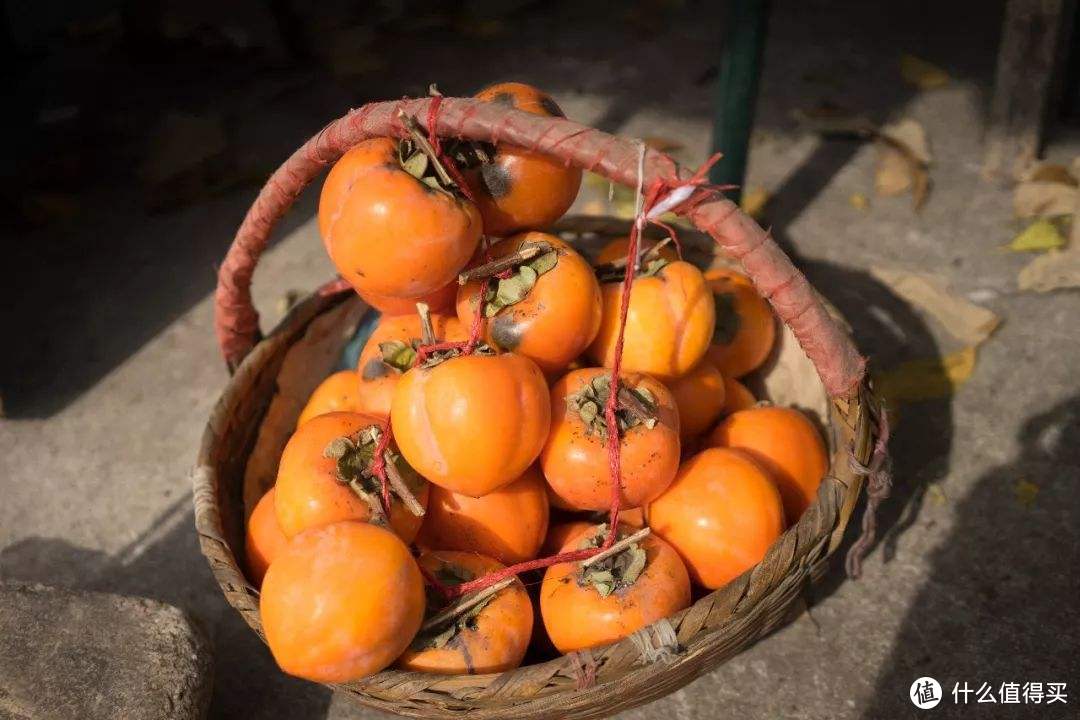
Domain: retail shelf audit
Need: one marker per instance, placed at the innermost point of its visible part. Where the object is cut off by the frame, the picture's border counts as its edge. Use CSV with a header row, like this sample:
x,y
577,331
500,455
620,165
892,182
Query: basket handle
x,y
832,352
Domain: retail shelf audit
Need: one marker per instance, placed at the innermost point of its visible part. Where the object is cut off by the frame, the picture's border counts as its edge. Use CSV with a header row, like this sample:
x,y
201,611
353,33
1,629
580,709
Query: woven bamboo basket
x,y
815,367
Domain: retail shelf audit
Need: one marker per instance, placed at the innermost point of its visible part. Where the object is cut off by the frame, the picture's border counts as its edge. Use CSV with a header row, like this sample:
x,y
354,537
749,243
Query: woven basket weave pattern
x,y
712,630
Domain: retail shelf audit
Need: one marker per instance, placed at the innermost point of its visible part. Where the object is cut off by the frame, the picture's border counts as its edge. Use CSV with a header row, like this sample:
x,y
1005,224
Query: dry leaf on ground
x,y
1046,190
754,201
858,201
1056,270
926,379
903,161
966,321
1039,236
1050,172
936,494
1044,199
922,74
910,136
1026,492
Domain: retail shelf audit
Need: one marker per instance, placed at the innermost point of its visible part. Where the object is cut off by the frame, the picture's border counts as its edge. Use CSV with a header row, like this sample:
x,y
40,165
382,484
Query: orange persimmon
x,y
575,458
508,524
264,540
561,533
784,442
391,229
490,639
516,189
700,396
745,325
721,514
669,322
342,601
439,301
547,309
472,423
325,476
338,392
615,251
585,607
390,351
737,396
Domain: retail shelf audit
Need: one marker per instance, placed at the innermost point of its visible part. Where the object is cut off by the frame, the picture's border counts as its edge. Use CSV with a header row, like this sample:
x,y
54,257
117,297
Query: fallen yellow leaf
x,y
1026,491
927,379
1039,236
922,74
935,493
754,201
858,201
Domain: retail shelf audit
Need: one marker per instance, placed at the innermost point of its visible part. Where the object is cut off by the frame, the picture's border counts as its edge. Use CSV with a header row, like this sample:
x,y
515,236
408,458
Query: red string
x,y
657,190
436,143
378,466
478,320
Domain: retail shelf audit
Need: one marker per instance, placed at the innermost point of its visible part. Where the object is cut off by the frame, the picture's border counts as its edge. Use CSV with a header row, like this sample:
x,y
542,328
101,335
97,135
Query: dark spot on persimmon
x,y
504,98
551,107
496,180
374,369
505,332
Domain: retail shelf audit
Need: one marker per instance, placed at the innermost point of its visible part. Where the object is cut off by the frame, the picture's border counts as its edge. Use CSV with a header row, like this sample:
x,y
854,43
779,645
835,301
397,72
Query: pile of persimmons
x,y
473,436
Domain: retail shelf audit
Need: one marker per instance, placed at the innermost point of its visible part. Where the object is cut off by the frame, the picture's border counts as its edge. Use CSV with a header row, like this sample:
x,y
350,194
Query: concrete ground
x,y
110,367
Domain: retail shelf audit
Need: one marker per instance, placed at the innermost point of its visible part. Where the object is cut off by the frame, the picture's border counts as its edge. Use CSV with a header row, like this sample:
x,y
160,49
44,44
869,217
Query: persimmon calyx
x,y
394,356
430,358
517,274
727,319
614,571
354,457
444,621
636,406
418,158
650,263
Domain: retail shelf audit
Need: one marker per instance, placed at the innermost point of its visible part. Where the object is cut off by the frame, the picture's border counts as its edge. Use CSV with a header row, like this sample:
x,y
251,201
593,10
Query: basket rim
x,y
539,689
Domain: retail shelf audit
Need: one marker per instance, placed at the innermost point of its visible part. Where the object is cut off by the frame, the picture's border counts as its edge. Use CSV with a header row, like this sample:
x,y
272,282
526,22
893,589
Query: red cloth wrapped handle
x,y
838,362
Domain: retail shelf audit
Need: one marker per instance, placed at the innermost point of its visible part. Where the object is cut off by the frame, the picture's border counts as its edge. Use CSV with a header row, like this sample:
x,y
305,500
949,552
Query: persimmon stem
x,y
634,406
378,516
464,605
507,262
648,253
618,547
417,136
427,332
397,483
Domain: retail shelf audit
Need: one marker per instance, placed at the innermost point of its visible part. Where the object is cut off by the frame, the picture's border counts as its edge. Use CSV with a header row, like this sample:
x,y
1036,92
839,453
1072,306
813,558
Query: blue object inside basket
x,y
350,354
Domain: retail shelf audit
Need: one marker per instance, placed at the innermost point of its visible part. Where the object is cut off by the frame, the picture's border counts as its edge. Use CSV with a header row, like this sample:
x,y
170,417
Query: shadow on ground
x,y
1000,600
169,567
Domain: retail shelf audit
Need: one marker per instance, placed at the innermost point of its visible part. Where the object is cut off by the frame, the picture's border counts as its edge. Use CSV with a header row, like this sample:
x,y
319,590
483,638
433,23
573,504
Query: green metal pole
x,y
737,89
